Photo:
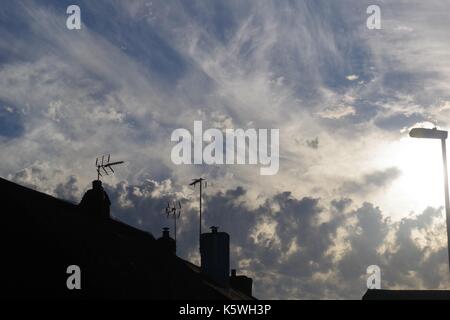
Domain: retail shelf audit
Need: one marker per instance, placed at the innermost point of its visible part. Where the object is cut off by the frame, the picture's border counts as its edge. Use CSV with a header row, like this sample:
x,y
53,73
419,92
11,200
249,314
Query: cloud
x,y
352,77
11,125
375,181
337,112
313,144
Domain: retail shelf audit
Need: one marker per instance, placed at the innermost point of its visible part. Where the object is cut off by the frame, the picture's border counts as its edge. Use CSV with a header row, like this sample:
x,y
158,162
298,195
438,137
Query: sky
x,y
352,190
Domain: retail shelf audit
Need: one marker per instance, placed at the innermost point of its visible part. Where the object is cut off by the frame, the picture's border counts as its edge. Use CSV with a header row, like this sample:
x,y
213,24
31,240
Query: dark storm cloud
x,y
370,182
412,257
364,238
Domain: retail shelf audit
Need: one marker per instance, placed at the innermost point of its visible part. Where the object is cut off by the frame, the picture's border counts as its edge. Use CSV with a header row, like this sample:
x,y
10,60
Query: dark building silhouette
x,y
166,242
378,294
241,283
215,256
42,236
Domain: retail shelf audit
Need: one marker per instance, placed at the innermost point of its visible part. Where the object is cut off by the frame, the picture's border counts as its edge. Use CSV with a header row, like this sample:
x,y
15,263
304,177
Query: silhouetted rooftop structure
x,y
95,202
378,294
43,235
166,242
215,256
241,283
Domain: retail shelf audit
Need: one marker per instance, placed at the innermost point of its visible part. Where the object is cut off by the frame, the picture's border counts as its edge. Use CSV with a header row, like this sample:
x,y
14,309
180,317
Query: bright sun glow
x,y
421,183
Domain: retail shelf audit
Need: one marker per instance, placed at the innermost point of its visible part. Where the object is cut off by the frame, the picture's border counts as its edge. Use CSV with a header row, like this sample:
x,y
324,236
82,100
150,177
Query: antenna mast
x,y
202,182
175,211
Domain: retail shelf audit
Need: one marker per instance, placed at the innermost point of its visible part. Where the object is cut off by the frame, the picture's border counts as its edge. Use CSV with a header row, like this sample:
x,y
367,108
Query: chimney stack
x,y
166,242
95,202
215,256
243,284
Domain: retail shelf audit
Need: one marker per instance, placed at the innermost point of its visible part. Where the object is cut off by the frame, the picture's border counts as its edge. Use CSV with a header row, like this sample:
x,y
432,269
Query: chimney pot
x,y
97,184
166,232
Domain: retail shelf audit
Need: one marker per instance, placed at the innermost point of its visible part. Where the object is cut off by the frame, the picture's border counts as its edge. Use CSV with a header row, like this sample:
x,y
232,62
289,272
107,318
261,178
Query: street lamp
x,y
441,135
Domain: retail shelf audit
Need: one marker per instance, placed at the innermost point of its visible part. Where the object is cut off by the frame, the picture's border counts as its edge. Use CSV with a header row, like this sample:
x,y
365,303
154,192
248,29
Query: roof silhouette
x,y
43,235
378,294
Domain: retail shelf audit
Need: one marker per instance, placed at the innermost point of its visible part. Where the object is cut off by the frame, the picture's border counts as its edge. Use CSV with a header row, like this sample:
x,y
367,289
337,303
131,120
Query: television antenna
x,y
202,182
174,212
104,164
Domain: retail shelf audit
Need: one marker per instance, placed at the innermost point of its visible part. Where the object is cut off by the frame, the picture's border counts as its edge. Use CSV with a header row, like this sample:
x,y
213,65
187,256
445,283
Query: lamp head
x,y
428,133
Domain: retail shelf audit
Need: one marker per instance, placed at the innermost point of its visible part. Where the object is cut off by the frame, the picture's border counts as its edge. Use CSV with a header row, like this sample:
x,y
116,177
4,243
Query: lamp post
x,y
441,135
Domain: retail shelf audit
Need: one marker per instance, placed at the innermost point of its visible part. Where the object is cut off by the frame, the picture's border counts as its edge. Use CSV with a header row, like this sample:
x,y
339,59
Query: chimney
x,y
241,283
95,202
166,242
215,256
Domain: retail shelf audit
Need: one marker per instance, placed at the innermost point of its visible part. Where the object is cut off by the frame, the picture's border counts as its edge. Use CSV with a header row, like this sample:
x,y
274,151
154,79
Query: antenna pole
x,y
447,201
194,183
174,213
200,224
175,226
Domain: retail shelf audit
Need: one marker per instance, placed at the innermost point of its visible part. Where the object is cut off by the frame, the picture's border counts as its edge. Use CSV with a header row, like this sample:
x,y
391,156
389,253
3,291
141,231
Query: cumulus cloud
x,y
374,181
337,112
